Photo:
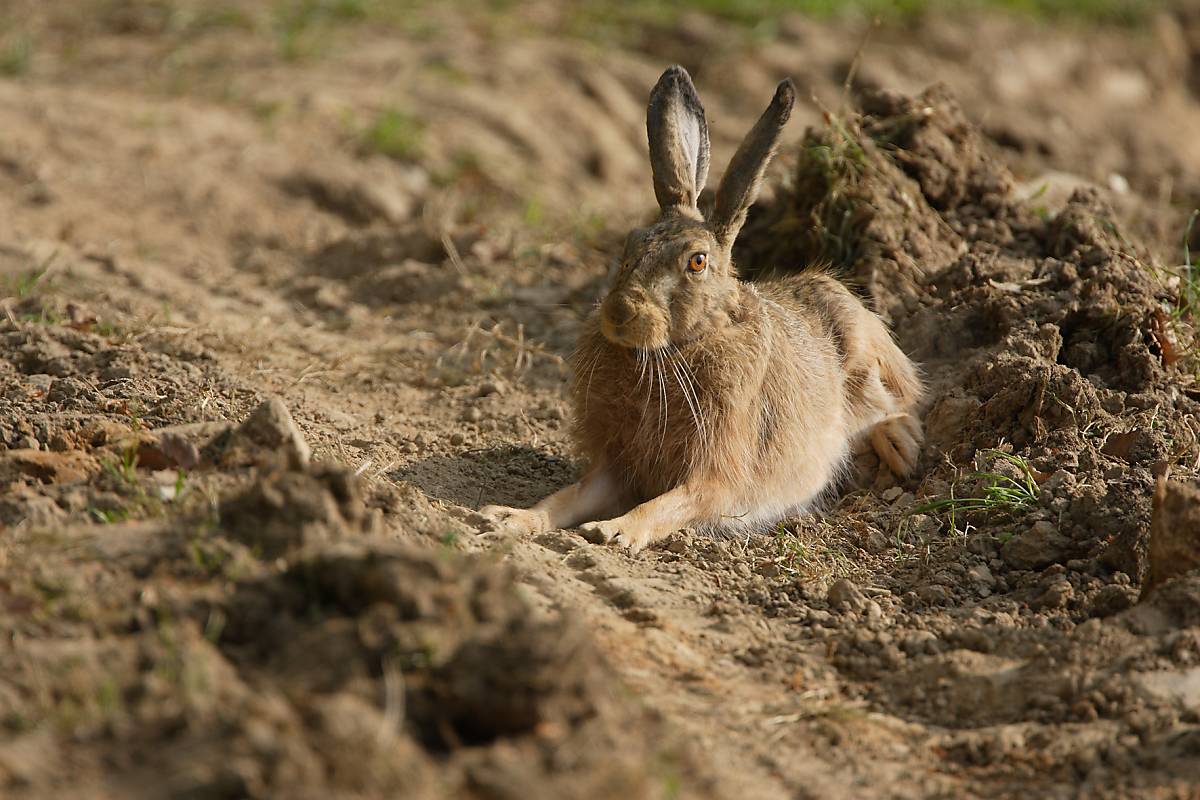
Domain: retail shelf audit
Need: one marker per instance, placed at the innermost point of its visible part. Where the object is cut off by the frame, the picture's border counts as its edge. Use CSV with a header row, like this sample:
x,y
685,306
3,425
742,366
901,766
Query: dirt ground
x,y
287,295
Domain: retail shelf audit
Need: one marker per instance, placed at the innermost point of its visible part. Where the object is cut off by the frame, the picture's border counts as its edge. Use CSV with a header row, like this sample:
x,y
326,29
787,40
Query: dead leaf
x,y
168,451
45,466
1161,337
1118,445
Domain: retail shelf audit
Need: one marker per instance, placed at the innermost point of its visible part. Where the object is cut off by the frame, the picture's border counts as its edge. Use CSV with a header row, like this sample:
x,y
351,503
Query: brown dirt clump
x,y
1174,546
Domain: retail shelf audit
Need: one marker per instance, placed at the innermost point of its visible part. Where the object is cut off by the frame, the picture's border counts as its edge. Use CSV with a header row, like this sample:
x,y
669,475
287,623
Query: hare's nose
x,y
619,310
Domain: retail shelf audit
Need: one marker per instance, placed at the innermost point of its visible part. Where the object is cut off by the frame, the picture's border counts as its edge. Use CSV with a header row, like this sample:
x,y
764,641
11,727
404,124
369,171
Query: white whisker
x,y
686,387
694,384
662,389
590,365
649,393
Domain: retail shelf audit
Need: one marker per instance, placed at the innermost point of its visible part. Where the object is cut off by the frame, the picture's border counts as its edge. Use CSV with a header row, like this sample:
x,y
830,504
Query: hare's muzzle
x,y
630,319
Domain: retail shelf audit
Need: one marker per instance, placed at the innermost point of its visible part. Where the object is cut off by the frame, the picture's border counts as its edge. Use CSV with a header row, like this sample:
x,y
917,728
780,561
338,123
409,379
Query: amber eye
x,y
698,262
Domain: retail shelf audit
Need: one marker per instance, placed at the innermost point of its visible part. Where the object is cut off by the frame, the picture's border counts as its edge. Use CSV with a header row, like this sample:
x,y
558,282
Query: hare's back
x,y
862,340
822,302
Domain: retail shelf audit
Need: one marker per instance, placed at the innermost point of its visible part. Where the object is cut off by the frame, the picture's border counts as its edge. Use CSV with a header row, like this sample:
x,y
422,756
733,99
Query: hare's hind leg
x,y
894,433
897,440
598,494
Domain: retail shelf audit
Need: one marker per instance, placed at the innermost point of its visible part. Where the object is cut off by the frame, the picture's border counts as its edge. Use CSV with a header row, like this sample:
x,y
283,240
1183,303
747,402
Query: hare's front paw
x,y
617,531
897,439
515,520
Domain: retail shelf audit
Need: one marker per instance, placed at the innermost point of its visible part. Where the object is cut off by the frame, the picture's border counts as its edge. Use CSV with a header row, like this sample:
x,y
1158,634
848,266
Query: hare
x,y
702,401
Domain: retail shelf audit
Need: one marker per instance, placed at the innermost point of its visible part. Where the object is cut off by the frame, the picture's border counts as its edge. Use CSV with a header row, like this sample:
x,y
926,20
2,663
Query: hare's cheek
x,y
655,329
689,311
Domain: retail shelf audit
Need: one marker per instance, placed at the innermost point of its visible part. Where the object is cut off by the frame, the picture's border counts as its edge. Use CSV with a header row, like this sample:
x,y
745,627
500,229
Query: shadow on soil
x,y
509,476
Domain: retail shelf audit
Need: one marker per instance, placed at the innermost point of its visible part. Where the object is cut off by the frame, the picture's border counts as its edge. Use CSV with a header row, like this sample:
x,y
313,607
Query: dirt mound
x,y
287,510
1058,395
453,670
1047,334
294,650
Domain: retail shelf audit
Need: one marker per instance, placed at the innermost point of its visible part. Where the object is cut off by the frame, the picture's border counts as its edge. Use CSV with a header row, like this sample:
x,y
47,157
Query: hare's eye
x,y
698,262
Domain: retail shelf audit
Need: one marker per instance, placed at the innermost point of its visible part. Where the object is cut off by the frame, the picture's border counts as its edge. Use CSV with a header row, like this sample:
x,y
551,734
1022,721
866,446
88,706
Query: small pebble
x,y
1056,595
981,575
817,616
934,594
677,544
844,594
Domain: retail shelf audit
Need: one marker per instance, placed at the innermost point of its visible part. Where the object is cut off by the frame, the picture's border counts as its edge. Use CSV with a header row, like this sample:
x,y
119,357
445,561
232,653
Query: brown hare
x,y
702,401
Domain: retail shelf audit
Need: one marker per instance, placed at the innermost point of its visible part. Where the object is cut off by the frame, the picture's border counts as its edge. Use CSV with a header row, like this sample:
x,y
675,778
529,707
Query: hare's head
x,y
676,279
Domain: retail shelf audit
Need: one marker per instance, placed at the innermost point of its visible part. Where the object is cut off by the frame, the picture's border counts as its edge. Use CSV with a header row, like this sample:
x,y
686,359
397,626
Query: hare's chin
x,y
634,337
638,343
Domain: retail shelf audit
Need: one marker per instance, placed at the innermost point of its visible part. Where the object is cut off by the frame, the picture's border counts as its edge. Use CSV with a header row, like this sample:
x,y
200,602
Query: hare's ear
x,y
739,184
678,135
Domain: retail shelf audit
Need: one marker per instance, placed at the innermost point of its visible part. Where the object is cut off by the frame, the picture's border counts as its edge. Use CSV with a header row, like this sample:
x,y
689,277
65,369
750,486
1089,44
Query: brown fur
x,y
704,401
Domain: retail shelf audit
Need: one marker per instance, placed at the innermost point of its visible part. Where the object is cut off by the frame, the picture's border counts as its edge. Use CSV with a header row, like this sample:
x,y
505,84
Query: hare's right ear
x,y
739,185
678,135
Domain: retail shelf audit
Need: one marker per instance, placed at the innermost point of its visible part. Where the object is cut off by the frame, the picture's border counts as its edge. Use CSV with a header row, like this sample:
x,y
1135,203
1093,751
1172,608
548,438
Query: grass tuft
x,y
302,27
609,20
138,501
824,212
815,553
997,494
394,133
124,469
26,283
1187,302
16,57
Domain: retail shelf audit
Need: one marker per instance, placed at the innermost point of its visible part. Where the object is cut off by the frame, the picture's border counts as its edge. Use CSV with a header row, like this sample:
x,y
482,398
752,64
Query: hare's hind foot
x,y
897,440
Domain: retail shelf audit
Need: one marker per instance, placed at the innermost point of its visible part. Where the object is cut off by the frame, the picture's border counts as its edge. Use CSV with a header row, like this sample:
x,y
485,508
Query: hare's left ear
x,y
678,133
740,183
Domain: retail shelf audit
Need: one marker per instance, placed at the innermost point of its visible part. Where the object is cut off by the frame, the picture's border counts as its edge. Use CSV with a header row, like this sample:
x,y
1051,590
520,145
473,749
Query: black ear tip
x,y
676,76
676,82
785,93
676,71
